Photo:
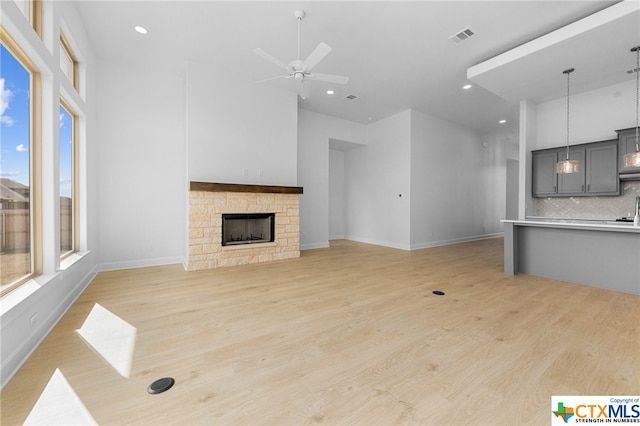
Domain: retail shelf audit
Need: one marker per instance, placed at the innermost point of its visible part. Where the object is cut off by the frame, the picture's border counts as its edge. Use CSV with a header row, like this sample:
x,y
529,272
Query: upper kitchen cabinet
x,y
626,144
602,170
545,179
598,174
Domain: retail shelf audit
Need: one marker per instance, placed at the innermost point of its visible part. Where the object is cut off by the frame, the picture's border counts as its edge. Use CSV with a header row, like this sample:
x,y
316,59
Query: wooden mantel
x,y
238,187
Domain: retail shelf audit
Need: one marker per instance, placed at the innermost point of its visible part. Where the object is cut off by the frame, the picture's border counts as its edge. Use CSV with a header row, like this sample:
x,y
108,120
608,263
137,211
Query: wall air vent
x,y
350,97
462,35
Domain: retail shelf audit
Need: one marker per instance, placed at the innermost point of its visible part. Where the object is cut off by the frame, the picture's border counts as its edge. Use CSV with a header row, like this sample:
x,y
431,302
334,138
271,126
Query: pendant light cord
x,y
569,71
637,48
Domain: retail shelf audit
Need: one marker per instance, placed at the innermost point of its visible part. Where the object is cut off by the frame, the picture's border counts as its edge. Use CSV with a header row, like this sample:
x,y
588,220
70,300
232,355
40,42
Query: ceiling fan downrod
x,y
299,14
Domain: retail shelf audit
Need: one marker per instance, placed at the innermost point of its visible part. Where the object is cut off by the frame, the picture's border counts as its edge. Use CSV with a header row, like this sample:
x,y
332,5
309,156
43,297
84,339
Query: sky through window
x,y
14,119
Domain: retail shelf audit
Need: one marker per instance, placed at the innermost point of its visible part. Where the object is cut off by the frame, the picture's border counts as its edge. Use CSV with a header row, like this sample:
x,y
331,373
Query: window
x,y
31,9
19,238
68,198
68,62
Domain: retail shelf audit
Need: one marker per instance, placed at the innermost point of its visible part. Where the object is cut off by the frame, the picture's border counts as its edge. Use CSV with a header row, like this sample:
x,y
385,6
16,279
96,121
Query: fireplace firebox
x,y
248,228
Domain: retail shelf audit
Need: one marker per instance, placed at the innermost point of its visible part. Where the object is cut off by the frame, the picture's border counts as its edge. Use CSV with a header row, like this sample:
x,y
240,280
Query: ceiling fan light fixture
x,y
631,160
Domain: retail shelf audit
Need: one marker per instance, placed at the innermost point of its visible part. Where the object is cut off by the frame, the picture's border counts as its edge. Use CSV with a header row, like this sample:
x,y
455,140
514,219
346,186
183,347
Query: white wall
x,y
51,294
397,190
378,184
594,116
527,141
458,182
142,158
314,132
337,195
239,131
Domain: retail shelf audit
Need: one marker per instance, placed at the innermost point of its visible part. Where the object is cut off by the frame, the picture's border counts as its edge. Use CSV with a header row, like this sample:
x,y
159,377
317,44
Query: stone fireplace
x,y
261,224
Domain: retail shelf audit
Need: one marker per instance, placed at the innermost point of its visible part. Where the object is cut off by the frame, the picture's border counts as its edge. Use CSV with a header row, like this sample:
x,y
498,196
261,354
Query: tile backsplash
x,y
591,207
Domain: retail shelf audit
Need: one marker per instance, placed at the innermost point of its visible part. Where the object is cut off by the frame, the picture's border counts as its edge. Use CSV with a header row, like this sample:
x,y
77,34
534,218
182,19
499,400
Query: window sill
x,y
70,259
24,291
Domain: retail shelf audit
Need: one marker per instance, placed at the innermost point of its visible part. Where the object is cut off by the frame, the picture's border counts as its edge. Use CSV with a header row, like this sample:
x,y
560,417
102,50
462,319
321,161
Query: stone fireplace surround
x,y
208,201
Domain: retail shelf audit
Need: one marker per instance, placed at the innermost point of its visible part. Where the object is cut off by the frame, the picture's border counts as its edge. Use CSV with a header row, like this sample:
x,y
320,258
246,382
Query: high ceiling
x,y
397,55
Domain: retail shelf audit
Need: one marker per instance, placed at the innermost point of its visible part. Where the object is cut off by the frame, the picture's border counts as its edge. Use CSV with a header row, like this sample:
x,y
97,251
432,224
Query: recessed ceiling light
x,y
466,86
141,30
502,121
330,92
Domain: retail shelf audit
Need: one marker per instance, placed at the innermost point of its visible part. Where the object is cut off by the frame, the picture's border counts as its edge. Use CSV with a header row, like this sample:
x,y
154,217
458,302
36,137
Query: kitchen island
x,y
601,253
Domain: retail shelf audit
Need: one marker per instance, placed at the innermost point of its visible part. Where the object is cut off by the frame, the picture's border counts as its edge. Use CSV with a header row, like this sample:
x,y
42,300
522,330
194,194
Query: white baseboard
x,y
379,243
311,246
141,263
455,241
423,245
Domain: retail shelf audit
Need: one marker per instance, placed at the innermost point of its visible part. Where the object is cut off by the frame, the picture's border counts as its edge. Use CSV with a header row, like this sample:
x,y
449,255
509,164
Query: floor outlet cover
x,y
161,385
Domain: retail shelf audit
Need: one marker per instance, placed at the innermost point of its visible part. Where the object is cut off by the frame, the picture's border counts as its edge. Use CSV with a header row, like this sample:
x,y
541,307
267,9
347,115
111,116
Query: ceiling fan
x,y
300,70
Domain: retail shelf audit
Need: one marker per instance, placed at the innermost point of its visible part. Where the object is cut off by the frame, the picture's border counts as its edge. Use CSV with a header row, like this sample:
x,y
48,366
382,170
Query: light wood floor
x,y
346,335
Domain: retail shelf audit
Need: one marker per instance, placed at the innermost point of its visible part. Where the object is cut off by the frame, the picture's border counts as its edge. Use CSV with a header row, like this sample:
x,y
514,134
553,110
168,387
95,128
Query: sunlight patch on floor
x,y
59,405
111,336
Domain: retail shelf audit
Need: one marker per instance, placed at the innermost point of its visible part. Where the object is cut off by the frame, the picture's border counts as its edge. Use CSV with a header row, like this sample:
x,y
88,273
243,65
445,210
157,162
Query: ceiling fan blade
x,y
338,79
316,56
270,58
272,78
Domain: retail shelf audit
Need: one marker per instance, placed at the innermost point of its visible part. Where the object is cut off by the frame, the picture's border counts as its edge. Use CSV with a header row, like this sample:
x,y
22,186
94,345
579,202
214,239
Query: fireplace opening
x,y
248,228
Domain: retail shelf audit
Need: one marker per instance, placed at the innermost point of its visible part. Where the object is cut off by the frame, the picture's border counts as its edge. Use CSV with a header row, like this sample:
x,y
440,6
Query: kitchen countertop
x,y
577,223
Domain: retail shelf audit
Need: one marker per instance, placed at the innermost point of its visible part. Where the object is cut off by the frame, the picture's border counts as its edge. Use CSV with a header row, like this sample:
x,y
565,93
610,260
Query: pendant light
x,y
566,165
632,159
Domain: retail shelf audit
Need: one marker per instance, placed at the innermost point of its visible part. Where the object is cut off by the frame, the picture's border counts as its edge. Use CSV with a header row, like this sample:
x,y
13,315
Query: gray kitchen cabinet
x,y
626,144
602,170
598,174
545,179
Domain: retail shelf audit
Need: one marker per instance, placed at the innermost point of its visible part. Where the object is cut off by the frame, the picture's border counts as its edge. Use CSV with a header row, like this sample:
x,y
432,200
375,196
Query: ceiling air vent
x,y
462,35
350,97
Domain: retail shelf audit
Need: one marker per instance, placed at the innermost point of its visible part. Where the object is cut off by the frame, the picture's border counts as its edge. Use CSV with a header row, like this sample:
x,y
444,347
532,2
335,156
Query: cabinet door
x,y
572,183
602,170
627,143
545,181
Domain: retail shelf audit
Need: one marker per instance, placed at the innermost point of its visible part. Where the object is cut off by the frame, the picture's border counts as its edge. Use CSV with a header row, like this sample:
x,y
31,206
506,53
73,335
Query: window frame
x,y
35,159
75,204
65,49
35,15
35,12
